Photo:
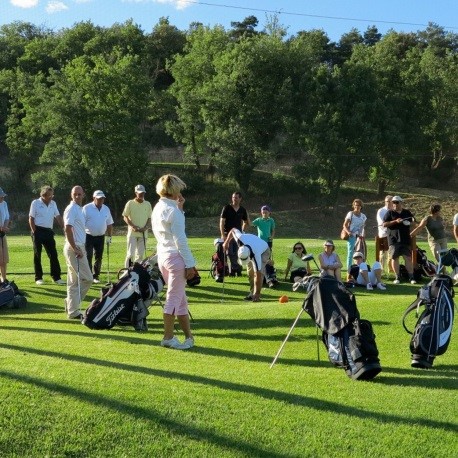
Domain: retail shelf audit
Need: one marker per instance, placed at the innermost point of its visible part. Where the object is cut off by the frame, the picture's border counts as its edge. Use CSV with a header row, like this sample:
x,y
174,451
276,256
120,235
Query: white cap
x,y
216,241
358,254
98,194
396,199
140,188
243,254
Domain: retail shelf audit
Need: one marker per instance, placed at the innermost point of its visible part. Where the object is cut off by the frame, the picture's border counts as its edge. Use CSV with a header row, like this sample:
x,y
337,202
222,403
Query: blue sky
x,y
335,17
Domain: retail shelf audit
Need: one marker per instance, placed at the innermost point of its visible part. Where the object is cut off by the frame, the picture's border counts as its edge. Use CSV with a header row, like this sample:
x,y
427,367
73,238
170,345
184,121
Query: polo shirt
x,y
73,216
96,219
43,214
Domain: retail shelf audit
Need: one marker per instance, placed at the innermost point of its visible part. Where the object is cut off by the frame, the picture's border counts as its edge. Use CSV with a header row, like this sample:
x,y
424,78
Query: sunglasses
x,y
395,202
298,248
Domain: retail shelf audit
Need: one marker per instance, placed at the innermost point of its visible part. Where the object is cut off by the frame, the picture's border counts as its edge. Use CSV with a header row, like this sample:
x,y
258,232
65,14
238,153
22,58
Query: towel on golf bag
x,y
126,301
433,329
349,340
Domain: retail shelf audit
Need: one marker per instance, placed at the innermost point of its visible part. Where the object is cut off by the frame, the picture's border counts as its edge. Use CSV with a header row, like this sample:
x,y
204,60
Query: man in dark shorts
x,y
233,216
398,221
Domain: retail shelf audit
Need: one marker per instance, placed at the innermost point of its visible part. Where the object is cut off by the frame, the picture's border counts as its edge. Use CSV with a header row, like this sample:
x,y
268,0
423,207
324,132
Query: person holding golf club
x,y
137,216
98,222
43,212
79,275
175,259
398,221
255,254
233,215
330,263
4,229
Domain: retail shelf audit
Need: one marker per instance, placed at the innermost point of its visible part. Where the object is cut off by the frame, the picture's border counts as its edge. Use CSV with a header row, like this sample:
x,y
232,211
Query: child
x,y
265,225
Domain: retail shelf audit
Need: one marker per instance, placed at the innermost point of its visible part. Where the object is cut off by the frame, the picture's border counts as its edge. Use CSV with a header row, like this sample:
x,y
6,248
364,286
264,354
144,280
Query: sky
x,y
335,17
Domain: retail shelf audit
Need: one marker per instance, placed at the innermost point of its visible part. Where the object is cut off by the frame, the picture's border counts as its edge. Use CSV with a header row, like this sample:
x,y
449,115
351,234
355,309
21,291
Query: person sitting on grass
x,y
299,268
330,263
363,276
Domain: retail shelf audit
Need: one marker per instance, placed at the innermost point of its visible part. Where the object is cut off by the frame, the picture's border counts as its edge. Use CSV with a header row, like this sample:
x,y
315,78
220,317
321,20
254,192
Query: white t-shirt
x,y
357,222
371,275
73,216
257,246
382,231
96,220
43,214
455,220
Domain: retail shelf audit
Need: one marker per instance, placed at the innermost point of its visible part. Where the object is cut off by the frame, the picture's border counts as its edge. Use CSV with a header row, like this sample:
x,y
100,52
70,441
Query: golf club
x,y
78,280
403,219
310,257
108,264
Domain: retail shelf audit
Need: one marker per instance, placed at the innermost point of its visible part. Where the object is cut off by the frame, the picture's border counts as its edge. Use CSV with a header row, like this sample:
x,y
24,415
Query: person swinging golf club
x,y
255,254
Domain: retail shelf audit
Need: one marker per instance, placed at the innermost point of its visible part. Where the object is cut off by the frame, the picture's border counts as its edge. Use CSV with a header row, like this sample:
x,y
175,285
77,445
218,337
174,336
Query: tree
x,y
95,111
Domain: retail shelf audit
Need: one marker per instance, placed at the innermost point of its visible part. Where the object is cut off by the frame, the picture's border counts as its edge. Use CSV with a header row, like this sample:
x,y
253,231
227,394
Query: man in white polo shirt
x,y
98,222
79,275
43,212
255,254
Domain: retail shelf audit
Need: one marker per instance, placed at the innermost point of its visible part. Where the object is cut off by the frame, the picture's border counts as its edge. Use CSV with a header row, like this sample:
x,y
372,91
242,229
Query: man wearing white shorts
x,y
370,279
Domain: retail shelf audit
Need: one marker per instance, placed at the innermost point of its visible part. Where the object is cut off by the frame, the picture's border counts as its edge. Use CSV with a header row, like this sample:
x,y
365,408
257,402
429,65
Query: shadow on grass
x,y
187,430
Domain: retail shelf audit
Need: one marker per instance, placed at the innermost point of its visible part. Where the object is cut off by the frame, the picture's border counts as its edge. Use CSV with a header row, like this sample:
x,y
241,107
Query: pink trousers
x,y
173,270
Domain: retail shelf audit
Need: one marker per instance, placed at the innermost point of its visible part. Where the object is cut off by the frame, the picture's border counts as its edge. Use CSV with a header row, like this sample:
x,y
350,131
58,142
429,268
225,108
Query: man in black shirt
x,y
398,220
233,215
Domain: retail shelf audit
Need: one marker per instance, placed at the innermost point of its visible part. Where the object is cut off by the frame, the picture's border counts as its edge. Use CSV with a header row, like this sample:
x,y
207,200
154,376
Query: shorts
x,y
382,243
399,249
4,254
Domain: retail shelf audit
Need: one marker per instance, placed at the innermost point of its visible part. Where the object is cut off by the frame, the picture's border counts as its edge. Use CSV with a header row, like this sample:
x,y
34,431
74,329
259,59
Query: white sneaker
x,y
369,287
60,282
173,343
413,282
96,281
188,343
40,282
397,281
381,286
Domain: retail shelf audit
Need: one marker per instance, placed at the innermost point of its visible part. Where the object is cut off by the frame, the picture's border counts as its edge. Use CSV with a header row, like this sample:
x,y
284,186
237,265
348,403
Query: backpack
x,y
219,267
404,275
11,296
433,330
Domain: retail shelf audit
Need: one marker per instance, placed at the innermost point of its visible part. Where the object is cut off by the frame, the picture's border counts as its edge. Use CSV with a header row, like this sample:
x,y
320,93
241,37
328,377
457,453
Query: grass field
x,y
68,391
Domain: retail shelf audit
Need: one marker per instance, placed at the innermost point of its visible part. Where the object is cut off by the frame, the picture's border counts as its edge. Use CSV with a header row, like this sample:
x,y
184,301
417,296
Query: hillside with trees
x,y
92,105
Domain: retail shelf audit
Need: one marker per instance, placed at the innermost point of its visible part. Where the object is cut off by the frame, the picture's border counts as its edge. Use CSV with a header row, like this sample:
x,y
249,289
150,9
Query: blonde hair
x,y
357,201
169,185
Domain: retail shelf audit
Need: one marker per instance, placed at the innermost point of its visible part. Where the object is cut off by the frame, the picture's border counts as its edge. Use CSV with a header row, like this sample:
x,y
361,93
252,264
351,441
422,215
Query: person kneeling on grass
x,y
364,276
255,254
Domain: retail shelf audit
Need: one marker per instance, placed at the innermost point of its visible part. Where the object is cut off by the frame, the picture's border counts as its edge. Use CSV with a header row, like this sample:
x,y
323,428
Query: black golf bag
x,y
428,268
127,301
219,267
349,340
433,329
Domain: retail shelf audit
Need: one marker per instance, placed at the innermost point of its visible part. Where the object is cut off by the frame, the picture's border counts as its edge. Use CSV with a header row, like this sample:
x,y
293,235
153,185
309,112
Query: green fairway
x,y
68,391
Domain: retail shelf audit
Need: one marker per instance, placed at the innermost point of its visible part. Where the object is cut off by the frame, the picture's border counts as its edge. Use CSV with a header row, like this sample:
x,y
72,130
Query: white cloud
x,y
178,4
24,3
54,6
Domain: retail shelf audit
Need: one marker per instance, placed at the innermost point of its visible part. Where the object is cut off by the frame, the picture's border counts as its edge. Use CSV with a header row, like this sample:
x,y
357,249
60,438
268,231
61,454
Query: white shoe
x,y
413,282
173,343
188,343
60,282
397,281
96,281
381,286
40,282
369,287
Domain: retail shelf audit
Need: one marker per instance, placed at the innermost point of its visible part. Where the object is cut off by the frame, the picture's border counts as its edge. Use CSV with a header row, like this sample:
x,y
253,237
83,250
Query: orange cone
x,y
283,299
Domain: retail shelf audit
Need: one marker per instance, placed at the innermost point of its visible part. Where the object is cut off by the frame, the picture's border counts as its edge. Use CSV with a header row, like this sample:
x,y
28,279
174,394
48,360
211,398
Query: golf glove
x,y
108,240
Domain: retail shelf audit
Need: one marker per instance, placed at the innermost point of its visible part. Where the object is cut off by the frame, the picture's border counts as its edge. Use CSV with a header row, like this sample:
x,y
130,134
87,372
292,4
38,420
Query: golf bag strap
x,y
416,303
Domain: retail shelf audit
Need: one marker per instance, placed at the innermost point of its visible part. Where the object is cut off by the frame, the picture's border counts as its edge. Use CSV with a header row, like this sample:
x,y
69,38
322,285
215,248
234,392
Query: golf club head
x,y
307,257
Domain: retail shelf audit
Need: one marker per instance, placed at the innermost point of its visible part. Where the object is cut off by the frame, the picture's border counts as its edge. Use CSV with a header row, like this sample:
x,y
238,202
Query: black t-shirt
x,y
399,233
233,218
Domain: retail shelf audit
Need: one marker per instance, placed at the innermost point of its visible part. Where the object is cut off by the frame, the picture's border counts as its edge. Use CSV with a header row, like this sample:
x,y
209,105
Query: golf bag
x,y
127,301
11,297
433,329
219,267
271,275
349,340
427,267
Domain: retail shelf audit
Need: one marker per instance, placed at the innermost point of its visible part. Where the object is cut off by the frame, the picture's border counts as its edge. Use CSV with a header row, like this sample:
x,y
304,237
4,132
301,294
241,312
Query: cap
x,y
140,188
396,199
358,254
243,254
329,243
98,194
216,241
266,208
2,193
